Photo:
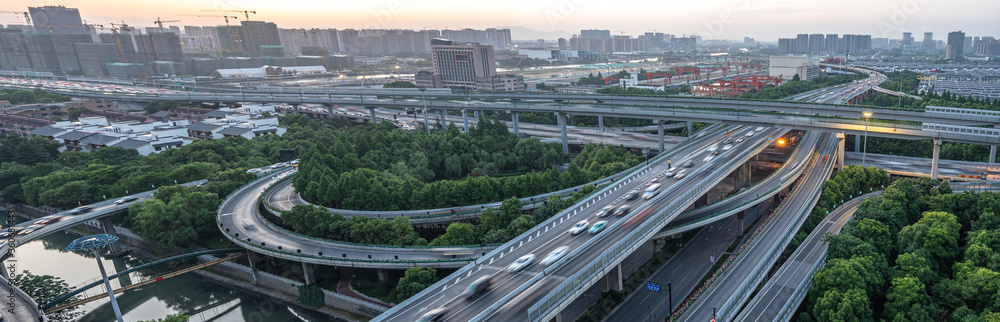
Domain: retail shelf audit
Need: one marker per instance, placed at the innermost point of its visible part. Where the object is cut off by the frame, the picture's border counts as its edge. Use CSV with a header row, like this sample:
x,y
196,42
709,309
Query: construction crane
x,y
231,34
932,78
246,13
114,30
160,22
27,18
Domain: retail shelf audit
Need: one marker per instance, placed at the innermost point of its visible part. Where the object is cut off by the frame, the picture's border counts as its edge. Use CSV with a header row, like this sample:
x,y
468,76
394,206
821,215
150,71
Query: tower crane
x,y
27,18
246,13
231,34
114,30
160,22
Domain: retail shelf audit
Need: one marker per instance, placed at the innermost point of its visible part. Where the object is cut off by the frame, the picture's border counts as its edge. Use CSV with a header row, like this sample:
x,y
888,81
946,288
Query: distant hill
x,y
522,33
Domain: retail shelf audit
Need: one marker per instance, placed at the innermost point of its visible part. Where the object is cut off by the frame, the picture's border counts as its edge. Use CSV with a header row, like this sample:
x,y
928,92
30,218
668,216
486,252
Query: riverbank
x,y
275,291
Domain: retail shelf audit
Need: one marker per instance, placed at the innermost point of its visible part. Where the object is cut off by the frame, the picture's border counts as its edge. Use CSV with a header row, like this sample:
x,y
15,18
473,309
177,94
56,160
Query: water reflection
x,y
201,298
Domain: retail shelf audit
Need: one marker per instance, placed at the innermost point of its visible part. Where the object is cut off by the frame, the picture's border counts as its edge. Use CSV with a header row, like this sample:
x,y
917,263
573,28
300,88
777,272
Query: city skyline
x,y
765,20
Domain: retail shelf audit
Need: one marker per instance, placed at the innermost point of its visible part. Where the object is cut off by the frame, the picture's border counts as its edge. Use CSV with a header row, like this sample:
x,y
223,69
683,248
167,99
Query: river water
x,y
190,294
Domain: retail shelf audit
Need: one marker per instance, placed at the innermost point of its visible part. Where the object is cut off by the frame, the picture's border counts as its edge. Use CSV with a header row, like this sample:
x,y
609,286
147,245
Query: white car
x,y
521,263
749,134
669,173
708,158
739,140
555,255
759,128
579,227
681,174
713,148
727,147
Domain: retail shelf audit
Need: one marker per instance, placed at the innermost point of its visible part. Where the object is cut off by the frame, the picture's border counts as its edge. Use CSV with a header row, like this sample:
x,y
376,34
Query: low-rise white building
x,y
787,67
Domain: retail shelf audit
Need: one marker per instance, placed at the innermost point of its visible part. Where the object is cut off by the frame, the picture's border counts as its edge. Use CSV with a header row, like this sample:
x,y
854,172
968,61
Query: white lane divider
x,y
539,233
512,249
491,259
522,242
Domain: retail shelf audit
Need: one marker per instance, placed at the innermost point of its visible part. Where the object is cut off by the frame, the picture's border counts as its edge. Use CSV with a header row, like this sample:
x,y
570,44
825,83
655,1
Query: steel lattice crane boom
x,y
231,34
246,13
160,22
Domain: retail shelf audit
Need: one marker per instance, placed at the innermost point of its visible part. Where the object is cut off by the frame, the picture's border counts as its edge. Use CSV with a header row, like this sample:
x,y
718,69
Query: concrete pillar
x,y
841,142
444,120
935,158
5,273
993,148
427,125
308,273
124,280
857,143
659,134
600,121
114,249
613,280
371,111
252,259
329,110
514,118
561,119
475,114
465,121
383,275
690,126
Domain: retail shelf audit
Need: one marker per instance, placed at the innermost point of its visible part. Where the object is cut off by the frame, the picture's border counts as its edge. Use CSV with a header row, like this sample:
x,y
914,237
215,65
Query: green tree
x,y
171,318
850,305
45,289
415,280
457,234
907,300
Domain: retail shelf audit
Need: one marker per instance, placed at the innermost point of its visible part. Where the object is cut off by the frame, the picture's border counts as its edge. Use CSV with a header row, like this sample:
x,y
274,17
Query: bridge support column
x,y
329,110
124,280
659,134
114,249
475,114
515,119
295,109
690,126
993,148
5,274
383,275
561,119
840,150
444,120
252,259
936,156
308,273
371,112
465,121
427,125
857,143
600,122
613,280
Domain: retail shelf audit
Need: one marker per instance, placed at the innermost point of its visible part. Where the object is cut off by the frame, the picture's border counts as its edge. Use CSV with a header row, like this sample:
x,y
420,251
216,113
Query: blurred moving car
x,y
555,255
521,263
579,227
598,226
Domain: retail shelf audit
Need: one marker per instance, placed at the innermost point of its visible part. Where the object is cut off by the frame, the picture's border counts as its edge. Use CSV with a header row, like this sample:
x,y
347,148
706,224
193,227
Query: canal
x,y
201,298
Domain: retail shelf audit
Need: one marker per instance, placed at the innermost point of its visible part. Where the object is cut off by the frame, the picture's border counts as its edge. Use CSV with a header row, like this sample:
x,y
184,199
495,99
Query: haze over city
x,y
761,19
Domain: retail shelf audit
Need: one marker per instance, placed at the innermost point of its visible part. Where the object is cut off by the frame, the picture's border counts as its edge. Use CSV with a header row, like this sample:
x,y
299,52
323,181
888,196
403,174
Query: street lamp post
x,y
94,243
865,151
645,153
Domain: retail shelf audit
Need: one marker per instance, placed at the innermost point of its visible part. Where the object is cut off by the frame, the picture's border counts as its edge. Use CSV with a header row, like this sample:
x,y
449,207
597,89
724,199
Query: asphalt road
x,y
460,310
922,166
776,295
754,254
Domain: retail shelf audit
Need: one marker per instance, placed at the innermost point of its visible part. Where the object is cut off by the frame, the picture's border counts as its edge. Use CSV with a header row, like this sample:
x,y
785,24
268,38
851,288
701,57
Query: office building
x,y
956,45
787,67
595,34
56,19
749,42
928,44
880,42
685,43
468,66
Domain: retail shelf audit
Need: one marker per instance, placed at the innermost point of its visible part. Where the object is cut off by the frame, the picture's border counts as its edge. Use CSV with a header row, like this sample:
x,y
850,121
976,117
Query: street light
x,y
93,243
645,153
865,151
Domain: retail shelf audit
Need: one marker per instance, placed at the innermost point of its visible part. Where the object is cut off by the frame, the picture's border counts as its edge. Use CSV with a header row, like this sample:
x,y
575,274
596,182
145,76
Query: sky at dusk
x,y
765,20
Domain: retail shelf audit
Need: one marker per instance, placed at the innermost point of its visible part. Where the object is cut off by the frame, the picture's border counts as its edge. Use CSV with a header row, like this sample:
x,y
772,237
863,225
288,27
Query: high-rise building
x,y
802,43
857,44
27,50
956,46
56,19
907,39
988,47
562,44
817,43
469,66
832,42
968,45
786,45
685,43
928,44
595,33
880,42
749,42
256,34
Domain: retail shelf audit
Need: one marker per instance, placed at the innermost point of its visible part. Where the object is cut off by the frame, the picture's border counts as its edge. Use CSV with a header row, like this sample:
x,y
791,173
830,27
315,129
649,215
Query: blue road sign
x,y
653,287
